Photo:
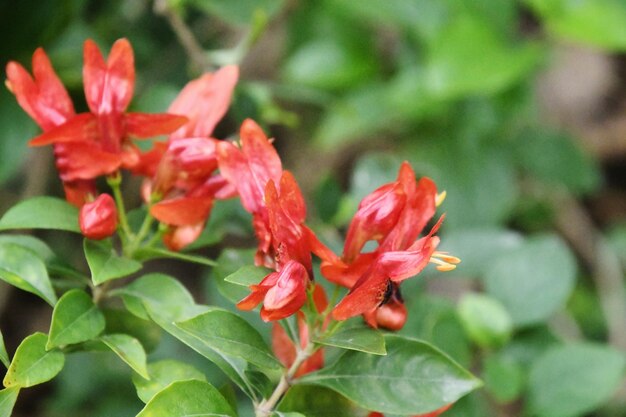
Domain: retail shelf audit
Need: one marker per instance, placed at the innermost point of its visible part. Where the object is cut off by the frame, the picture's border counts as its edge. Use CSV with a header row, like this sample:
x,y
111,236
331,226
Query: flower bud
x,y
98,219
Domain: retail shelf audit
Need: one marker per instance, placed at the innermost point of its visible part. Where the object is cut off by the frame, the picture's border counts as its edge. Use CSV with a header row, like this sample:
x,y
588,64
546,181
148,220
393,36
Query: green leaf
x,y
122,321
315,401
226,332
145,254
598,23
17,127
75,319
237,13
485,320
32,364
363,339
229,263
187,399
572,380
247,275
104,262
162,374
166,301
504,379
413,378
129,350
8,396
37,246
41,213
4,356
533,281
25,270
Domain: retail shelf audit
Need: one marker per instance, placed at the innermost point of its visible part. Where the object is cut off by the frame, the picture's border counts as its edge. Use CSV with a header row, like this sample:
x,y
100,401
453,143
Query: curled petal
x,y
391,316
400,265
366,295
80,128
183,210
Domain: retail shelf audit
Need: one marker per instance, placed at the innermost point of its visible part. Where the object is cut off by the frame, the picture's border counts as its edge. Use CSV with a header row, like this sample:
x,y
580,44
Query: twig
x,y
185,36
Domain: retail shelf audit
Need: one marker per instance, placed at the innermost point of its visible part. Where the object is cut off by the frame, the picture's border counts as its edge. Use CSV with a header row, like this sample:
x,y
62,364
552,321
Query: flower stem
x,y
115,180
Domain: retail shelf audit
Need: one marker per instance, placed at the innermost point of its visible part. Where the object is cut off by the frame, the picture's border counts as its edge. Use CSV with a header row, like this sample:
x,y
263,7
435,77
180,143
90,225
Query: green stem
x,y
115,180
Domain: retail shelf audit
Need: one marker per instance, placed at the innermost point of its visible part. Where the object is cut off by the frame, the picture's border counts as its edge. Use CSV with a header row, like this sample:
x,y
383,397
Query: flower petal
x,y
183,211
80,128
144,125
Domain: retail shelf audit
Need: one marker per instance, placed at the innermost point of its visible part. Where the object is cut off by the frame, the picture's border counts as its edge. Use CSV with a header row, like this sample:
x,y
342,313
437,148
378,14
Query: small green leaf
x,y
413,378
247,275
186,399
315,401
224,331
37,246
129,350
4,356
228,263
75,319
104,262
32,364
485,320
533,281
8,396
23,269
363,339
572,380
41,213
145,254
162,374
504,378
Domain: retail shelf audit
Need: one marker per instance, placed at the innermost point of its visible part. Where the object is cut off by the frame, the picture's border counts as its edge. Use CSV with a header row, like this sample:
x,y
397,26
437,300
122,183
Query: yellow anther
x,y
9,86
444,261
439,198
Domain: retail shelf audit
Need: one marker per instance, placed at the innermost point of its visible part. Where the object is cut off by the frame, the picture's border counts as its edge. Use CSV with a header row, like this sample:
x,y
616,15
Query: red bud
x,y
98,219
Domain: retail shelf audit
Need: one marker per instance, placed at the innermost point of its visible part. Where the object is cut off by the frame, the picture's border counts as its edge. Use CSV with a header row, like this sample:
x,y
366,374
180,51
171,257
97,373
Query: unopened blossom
x,y
98,219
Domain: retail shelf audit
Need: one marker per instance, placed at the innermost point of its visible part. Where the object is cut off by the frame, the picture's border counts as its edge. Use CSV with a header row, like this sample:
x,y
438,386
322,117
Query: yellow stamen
x,y
9,86
439,198
444,261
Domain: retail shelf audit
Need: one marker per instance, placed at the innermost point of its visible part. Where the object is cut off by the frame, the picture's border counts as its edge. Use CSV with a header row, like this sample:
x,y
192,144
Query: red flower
x,y
394,215
249,168
100,140
98,219
284,347
431,414
47,102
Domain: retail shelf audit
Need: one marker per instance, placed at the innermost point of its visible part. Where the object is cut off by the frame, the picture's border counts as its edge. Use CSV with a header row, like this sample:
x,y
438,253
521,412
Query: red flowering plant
x,y
183,177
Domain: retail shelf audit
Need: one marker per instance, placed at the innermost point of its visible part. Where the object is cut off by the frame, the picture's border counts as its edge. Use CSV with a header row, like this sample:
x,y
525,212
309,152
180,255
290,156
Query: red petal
x,y
183,210
282,345
78,192
204,101
262,157
80,128
84,160
181,236
98,219
143,125
291,198
400,265
436,412
365,296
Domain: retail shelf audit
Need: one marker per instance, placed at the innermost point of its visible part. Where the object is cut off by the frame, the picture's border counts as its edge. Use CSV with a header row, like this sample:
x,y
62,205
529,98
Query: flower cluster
x,y
184,175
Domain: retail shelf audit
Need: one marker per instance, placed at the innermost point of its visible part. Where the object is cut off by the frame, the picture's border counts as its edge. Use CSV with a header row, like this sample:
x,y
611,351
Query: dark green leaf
x,y
23,269
129,350
533,281
187,399
363,339
226,332
229,263
157,253
413,378
104,262
32,364
315,401
4,356
574,379
8,396
41,213
247,275
122,321
162,374
239,12
17,129
485,320
75,319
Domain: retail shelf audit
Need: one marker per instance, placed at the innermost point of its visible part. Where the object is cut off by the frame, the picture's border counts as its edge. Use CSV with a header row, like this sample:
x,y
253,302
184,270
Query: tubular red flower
x,y
431,414
98,219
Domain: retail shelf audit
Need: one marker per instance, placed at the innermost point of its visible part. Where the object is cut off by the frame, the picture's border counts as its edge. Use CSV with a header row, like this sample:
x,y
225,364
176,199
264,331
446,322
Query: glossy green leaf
x,y
41,213
363,339
145,254
105,264
32,364
129,350
37,246
572,380
166,301
4,356
8,396
598,23
247,275
75,319
23,269
485,320
414,377
187,399
162,374
315,401
226,332
533,281
122,321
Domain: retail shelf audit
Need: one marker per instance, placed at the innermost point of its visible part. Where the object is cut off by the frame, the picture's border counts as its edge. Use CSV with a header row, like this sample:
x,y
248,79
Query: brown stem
x,y
185,36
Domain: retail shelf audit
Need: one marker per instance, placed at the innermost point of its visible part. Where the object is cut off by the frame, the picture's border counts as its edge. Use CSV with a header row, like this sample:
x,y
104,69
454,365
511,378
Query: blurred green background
x,y
516,108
